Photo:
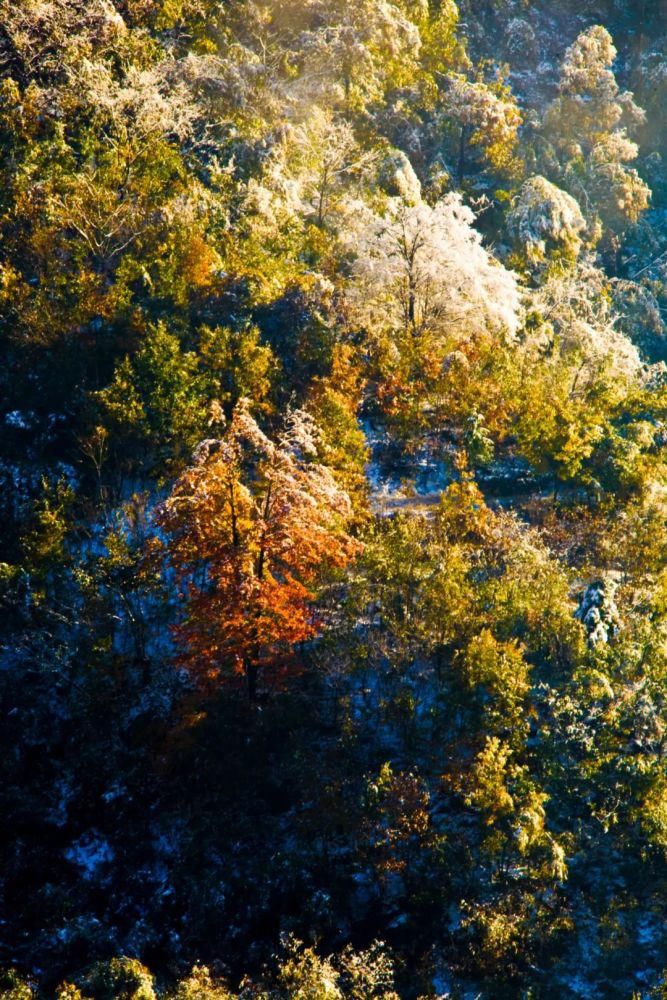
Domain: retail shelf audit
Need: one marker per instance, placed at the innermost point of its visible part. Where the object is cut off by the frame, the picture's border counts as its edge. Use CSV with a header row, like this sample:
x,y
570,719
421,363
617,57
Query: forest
x,y
333,499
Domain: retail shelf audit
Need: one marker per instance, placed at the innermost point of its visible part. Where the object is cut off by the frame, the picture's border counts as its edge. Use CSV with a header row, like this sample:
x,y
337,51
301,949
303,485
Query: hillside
x,y
333,492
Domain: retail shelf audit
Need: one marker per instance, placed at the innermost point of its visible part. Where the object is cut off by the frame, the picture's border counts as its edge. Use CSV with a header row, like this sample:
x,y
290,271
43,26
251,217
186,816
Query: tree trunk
x,y
411,306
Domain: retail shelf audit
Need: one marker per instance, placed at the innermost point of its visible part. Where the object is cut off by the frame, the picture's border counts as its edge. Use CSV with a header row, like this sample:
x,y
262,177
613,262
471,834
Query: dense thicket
x,y
333,485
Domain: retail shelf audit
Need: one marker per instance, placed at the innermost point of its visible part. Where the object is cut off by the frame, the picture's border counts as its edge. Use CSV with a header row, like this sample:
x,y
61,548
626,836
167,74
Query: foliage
x,y
252,526
333,578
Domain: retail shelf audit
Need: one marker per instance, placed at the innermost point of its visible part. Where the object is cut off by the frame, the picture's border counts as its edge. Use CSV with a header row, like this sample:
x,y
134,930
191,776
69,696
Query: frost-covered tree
x,y
640,317
319,162
545,219
590,103
350,54
398,178
420,268
651,83
618,192
521,41
85,55
598,612
588,123
43,39
573,315
487,119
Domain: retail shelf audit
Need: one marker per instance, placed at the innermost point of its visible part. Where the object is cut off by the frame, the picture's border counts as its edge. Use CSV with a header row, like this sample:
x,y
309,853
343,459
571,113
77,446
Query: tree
x,y
252,528
398,822
158,403
544,220
651,81
351,55
236,365
121,979
500,671
200,985
14,987
359,975
302,974
640,317
335,401
572,314
590,103
325,161
574,412
422,288
588,124
420,268
619,193
487,118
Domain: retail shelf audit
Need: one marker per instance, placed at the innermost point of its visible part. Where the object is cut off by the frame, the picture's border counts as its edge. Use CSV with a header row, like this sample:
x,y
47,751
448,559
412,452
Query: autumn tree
x,y
335,401
252,528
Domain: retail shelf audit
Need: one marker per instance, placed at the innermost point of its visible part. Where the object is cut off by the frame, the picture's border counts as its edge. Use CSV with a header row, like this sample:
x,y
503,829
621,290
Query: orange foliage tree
x,y
253,527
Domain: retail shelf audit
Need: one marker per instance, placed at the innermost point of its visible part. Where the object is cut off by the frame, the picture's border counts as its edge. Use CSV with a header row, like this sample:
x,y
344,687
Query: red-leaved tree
x,y
253,527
